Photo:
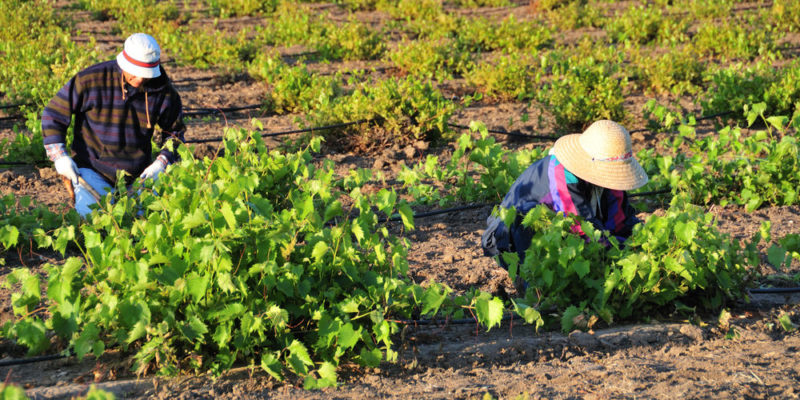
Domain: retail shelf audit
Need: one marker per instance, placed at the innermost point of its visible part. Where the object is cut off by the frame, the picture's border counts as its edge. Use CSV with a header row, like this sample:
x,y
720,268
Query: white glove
x,y
67,167
158,166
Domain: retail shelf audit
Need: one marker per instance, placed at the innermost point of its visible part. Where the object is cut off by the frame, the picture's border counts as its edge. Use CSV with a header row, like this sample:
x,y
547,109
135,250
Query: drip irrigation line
x,y
650,193
512,133
189,80
11,118
776,290
438,212
272,134
207,111
31,360
6,106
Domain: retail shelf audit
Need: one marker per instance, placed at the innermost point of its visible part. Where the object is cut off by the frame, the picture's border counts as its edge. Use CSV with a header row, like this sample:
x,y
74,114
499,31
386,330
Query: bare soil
x,y
663,357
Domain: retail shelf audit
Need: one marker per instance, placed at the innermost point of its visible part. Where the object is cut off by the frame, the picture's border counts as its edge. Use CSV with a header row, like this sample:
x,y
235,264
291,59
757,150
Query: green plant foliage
x,y
237,8
133,16
678,256
507,77
412,11
482,3
782,253
290,25
733,168
351,41
785,15
206,48
21,223
408,108
510,34
479,170
734,39
581,91
437,58
635,25
39,55
734,87
293,89
706,9
254,256
676,72
12,392
570,14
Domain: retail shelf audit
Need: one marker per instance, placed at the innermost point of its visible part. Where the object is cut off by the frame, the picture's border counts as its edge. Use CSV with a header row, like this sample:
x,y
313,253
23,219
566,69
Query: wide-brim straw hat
x,y
140,56
602,155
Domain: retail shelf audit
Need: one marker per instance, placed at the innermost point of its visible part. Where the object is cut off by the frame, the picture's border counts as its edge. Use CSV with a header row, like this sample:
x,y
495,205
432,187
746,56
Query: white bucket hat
x,y
140,56
601,155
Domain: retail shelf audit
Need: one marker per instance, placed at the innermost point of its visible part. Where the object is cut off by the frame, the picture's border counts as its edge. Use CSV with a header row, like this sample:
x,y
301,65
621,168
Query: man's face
x,y
134,80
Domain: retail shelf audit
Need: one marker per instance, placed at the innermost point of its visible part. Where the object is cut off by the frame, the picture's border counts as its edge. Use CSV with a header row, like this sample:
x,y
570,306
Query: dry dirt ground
x,y
663,357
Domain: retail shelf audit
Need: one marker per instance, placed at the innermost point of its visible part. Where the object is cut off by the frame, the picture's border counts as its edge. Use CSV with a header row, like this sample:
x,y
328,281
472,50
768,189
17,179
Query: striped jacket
x,y
114,122
548,182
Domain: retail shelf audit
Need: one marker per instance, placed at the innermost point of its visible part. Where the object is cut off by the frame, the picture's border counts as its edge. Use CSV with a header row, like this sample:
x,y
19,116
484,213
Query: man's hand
x,y
67,167
158,166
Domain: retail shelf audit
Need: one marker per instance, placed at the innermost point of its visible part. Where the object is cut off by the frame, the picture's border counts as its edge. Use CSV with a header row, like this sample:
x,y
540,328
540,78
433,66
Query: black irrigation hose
x,y
776,290
650,193
272,134
512,133
438,212
207,111
11,118
189,80
6,106
31,360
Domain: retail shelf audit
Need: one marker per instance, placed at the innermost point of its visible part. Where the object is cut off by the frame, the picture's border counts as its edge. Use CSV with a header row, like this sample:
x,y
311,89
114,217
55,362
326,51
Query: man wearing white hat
x,y
585,174
116,105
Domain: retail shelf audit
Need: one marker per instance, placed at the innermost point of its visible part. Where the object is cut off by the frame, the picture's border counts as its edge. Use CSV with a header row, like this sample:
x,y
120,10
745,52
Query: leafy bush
x,y
570,14
677,257
706,9
439,59
132,17
636,25
510,35
507,77
254,256
676,72
582,90
351,41
482,3
293,89
237,8
785,15
479,170
39,55
412,11
736,86
734,39
410,108
21,223
290,25
207,48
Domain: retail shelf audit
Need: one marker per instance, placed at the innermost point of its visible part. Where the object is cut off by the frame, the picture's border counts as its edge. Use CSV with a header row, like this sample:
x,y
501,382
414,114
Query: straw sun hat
x,y
601,155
